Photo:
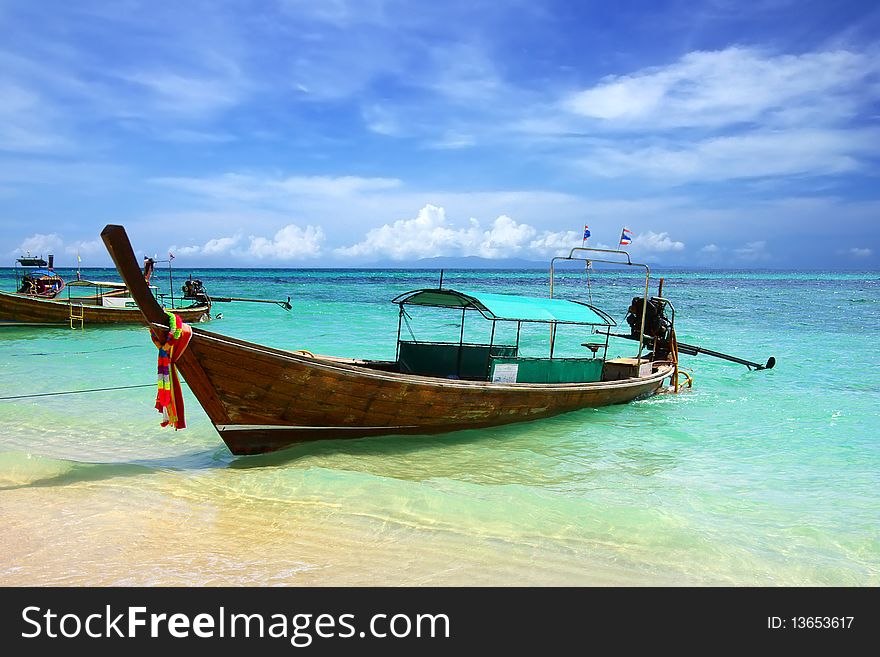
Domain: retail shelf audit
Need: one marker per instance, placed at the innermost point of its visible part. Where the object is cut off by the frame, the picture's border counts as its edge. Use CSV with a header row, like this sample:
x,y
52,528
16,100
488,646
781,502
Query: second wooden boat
x,y
39,302
91,309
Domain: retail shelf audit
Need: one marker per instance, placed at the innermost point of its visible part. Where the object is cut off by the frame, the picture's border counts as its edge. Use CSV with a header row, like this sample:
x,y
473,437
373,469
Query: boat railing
x,y
629,263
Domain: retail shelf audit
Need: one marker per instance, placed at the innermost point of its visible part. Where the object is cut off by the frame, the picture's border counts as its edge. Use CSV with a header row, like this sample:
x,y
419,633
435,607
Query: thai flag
x,y
626,236
586,233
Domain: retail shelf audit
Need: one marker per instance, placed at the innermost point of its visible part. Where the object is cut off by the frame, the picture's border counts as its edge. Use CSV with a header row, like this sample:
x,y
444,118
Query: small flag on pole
x,y
586,233
626,236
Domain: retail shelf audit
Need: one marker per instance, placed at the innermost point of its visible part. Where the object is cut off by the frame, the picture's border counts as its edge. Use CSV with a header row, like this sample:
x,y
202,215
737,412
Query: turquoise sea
x,y
751,478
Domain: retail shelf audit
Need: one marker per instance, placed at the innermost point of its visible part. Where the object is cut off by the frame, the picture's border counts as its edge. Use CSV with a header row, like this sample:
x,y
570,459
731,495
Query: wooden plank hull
x,y
262,399
16,308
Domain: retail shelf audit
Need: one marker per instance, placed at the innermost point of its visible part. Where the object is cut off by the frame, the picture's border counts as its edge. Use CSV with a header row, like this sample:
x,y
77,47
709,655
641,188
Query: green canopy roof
x,y
509,307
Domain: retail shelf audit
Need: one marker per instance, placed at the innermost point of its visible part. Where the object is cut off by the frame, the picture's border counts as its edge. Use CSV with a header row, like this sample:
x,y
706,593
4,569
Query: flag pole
x,y
171,278
588,264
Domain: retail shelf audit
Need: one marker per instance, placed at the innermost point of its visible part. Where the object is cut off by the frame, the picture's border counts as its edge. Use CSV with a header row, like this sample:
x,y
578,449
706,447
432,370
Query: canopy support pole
x,y
460,345
399,325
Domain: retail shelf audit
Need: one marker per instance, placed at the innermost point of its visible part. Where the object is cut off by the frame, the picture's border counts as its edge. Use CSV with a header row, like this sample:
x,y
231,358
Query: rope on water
x,y
66,353
75,392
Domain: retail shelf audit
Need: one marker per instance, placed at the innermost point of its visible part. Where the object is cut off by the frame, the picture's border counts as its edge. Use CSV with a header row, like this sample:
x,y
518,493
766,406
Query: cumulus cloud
x,y
710,248
651,242
41,243
85,248
549,243
216,246
44,244
289,243
504,238
431,234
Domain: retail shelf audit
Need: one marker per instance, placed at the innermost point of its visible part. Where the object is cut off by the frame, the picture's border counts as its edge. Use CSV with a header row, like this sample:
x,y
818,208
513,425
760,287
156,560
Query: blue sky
x,y
342,132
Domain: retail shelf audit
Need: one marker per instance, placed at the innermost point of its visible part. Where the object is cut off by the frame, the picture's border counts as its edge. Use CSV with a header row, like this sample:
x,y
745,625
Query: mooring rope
x,y
76,392
71,353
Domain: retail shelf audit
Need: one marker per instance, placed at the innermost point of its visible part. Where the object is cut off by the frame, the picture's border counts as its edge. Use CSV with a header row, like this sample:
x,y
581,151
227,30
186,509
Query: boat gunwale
x,y
353,369
74,301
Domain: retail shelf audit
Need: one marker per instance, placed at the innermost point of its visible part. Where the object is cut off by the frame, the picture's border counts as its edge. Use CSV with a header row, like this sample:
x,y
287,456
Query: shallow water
x,y
757,478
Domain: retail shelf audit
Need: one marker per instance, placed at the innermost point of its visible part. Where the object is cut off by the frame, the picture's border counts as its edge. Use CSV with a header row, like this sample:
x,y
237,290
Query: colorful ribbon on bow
x,y
169,400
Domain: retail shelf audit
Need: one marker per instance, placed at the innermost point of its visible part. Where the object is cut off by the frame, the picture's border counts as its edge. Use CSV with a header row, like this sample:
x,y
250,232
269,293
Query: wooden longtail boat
x,y
38,303
35,277
261,399
17,309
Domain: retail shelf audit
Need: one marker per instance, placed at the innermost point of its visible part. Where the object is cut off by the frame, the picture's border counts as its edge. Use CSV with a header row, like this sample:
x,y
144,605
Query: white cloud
x,y
26,124
860,253
753,251
381,121
505,238
735,85
41,244
651,242
22,172
338,12
289,243
559,243
710,248
452,140
216,246
431,234
751,155
53,243
347,209
186,94
185,136
464,73
277,190
85,248
750,114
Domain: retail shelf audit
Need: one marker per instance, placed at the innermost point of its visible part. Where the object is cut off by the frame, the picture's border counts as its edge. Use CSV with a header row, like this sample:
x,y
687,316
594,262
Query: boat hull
x,y
261,399
27,311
